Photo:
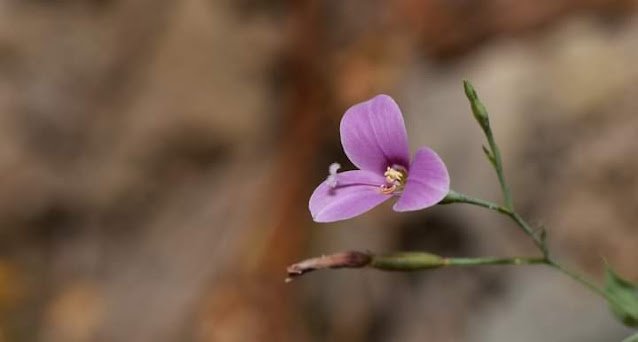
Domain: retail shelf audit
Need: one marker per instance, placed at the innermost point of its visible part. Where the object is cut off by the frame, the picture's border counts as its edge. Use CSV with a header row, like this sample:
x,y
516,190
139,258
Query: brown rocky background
x,y
156,159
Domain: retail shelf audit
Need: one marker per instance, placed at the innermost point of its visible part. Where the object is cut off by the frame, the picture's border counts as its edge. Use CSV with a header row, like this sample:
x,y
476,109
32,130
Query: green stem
x,y
529,231
413,261
498,166
495,261
494,154
579,278
455,197
583,281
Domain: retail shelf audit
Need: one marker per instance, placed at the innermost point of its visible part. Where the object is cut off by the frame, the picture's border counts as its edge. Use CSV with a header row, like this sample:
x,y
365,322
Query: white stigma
x,y
332,174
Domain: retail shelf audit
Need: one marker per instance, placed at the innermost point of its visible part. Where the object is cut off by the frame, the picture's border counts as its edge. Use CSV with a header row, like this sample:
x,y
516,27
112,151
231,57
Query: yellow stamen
x,y
392,175
396,178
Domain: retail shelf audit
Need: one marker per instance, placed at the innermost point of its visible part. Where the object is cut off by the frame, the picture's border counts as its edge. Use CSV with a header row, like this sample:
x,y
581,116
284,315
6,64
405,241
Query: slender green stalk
x,y
579,278
494,153
583,281
495,261
528,229
498,166
494,156
455,197
413,261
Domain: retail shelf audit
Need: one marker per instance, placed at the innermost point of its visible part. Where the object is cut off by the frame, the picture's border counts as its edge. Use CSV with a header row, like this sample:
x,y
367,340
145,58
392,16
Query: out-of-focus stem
x,y
632,338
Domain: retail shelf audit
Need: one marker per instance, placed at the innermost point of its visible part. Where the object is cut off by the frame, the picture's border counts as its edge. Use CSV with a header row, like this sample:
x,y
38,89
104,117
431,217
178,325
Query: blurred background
x,y
157,157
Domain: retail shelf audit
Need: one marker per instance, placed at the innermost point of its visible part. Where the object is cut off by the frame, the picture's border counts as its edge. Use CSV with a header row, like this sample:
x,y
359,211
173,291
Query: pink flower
x,y
374,138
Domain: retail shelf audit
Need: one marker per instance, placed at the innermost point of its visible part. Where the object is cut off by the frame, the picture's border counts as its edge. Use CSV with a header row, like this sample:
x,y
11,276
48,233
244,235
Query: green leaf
x,y
622,296
632,338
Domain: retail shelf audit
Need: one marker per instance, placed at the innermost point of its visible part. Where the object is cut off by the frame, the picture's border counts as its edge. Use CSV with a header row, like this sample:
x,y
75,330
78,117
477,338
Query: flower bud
x,y
478,109
407,261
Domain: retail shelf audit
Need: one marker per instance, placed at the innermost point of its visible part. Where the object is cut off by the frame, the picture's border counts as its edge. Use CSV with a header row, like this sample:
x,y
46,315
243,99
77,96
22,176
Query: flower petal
x,y
373,135
428,182
355,193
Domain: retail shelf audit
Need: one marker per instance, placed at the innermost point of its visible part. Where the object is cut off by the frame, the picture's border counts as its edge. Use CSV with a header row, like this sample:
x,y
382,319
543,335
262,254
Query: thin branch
x,y
401,261
455,197
493,154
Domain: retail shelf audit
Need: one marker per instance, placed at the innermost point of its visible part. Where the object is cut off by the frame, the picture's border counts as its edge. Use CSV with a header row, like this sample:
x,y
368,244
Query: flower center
x,y
396,176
